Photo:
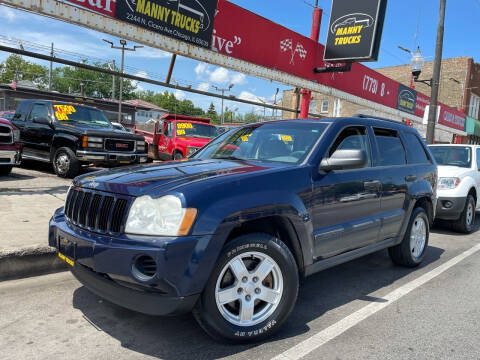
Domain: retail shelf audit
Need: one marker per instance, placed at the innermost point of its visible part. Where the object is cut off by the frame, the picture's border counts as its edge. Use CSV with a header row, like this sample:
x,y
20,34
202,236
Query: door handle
x,y
410,178
372,185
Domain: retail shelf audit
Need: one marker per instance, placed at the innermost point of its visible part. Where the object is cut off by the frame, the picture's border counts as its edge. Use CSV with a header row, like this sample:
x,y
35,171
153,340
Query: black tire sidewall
x,y
213,321
406,242
177,155
468,228
73,163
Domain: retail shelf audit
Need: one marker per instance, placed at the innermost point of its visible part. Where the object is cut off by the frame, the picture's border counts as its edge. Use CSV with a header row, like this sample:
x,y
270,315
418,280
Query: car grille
x,y
6,135
119,145
96,211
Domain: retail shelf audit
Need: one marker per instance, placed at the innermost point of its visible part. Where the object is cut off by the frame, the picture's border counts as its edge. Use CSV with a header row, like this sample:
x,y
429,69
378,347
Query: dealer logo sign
x,y
407,99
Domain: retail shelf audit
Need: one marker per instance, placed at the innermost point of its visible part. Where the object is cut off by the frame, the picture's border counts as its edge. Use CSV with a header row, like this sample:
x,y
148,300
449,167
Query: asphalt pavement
x,y
433,315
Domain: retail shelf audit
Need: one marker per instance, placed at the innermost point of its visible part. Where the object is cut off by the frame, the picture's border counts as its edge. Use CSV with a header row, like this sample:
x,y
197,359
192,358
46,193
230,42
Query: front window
x,y
189,129
69,113
460,156
278,141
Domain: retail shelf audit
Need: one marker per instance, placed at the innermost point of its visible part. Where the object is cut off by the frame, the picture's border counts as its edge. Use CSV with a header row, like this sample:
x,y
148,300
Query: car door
x,y
20,119
346,203
39,136
394,175
163,140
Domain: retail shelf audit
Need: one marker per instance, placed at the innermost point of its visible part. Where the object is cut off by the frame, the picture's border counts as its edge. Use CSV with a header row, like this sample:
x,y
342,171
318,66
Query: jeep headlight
x,y
448,183
164,216
16,135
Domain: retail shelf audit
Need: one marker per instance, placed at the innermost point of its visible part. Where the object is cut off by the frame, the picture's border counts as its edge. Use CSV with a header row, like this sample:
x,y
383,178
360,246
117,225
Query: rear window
x,y
390,147
415,150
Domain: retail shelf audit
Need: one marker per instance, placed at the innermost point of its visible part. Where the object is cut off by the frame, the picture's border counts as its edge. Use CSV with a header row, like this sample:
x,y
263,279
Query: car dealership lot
x,y
54,316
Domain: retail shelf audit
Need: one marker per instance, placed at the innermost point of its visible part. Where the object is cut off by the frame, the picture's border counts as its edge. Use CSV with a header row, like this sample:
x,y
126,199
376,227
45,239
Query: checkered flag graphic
x,y
286,45
301,51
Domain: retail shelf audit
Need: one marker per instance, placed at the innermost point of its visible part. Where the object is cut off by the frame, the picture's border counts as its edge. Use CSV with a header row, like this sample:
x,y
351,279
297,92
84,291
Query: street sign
x,y
186,20
355,30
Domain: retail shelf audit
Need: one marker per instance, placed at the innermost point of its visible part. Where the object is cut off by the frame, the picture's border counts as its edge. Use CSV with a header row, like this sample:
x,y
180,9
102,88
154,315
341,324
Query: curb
x,y
30,261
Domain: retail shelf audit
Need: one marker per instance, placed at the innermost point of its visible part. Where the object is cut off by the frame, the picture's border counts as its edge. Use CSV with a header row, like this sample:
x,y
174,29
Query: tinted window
x,y
21,113
38,111
415,150
390,147
353,138
73,113
460,156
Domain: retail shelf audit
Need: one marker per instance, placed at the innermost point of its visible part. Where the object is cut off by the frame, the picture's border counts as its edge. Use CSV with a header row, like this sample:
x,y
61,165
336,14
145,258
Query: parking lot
x,y
365,309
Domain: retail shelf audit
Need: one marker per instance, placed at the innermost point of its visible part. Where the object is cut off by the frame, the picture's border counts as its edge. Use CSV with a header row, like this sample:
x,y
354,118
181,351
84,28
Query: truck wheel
x,y
467,219
5,170
177,155
411,251
251,291
65,163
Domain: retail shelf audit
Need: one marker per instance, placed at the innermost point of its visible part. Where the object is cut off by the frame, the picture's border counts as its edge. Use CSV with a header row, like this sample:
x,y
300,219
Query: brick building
x,y
459,88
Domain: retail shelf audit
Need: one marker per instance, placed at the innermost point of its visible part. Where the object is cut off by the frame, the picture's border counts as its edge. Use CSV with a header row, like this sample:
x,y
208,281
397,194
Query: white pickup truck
x,y
458,184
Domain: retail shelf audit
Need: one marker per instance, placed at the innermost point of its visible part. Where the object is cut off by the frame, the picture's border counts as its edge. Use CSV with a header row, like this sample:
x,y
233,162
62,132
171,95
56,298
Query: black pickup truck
x,y
70,135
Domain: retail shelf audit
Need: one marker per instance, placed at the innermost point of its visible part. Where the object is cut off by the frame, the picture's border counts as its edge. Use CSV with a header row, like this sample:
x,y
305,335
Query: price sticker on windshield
x,y
181,132
62,111
184,126
286,138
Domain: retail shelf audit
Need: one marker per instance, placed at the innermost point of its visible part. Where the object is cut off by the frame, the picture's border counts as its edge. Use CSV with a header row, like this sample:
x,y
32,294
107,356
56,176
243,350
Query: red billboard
x,y
451,118
104,7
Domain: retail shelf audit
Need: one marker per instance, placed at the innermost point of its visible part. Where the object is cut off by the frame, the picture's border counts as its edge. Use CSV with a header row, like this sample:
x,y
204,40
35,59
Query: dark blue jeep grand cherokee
x,y
227,232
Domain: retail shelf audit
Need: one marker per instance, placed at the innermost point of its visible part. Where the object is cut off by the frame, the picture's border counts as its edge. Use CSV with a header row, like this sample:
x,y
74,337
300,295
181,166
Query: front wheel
x,y
467,219
5,170
251,291
411,251
65,163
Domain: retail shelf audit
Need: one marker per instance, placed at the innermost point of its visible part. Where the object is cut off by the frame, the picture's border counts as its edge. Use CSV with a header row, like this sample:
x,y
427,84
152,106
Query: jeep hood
x,y
151,179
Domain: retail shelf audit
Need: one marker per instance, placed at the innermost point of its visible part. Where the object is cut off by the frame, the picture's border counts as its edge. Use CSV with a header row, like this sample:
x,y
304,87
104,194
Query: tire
x,y
267,318
65,163
467,220
149,160
5,170
177,155
409,252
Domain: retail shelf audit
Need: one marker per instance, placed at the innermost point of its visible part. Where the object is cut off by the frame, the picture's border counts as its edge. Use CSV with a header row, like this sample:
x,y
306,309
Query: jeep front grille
x,y
96,211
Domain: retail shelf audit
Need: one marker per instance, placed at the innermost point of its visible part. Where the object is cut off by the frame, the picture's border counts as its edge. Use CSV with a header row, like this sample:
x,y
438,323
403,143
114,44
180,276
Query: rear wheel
x,y
251,291
5,170
467,219
177,155
411,251
65,163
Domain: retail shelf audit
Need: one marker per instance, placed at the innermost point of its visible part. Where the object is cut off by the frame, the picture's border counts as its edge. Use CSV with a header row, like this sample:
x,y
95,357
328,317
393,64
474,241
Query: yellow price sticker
x,y
286,138
245,137
184,126
62,111
181,132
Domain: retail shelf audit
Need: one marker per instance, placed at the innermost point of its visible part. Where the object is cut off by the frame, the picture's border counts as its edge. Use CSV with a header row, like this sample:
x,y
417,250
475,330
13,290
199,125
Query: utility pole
x,y
123,48
222,120
432,114
113,81
50,72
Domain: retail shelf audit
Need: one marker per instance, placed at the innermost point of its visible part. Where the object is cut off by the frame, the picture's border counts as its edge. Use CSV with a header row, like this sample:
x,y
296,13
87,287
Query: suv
x,y
70,135
10,147
228,232
458,184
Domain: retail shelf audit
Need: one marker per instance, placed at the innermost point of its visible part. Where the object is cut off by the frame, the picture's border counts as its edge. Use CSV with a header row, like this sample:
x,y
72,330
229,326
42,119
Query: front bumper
x,y
10,157
450,208
110,157
105,265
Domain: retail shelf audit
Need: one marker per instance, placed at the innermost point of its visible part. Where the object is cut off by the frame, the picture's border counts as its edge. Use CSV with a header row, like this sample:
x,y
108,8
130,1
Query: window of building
x,y
415,150
324,108
390,147
473,107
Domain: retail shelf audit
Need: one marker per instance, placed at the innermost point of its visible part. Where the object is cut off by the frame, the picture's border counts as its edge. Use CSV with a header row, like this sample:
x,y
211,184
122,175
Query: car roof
x,y
454,145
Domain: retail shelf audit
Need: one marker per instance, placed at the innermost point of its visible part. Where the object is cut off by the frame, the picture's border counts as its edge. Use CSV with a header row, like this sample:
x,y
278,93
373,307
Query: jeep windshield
x,y
188,129
460,156
72,113
276,141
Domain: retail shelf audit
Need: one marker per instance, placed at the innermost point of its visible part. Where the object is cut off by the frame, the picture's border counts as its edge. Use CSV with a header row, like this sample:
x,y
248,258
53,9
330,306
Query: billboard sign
x,y
190,21
355,30
407,99
104,7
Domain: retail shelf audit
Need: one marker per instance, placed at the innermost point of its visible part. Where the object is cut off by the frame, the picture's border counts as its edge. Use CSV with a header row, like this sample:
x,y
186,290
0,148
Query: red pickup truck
x,y
176,136
10,147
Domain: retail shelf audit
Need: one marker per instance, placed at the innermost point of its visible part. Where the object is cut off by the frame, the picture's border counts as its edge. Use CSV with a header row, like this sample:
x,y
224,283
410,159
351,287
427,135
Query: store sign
x,y
185,20
451,118
355,30
104,7
407,99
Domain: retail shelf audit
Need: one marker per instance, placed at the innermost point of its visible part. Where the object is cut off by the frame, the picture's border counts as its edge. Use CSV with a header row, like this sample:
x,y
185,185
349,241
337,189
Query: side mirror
x,y
41,120
344,160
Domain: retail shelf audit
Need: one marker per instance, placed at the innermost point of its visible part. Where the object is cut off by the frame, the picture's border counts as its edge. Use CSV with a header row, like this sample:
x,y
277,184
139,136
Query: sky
x,y
408,23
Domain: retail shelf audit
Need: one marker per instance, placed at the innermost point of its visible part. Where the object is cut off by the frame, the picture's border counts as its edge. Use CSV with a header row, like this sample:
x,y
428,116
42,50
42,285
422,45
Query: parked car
x,y
10,147
229,231
70,135
176,136
7,115
458,184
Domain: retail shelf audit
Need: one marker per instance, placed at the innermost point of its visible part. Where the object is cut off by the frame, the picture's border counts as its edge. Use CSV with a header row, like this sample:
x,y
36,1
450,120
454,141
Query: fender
x,y
62,138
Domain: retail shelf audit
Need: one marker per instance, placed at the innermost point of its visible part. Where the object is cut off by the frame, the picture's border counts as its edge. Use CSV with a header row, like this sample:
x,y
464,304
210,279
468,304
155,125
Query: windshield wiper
x,y
229,158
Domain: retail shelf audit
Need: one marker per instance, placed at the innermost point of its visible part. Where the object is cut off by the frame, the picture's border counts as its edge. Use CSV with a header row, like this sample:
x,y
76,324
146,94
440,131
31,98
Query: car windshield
x,y
81,114
189,129
460,156
276,141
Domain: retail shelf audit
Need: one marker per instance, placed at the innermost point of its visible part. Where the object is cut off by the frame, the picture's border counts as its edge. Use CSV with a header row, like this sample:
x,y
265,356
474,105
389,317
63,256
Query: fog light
x,y
144,268
447,204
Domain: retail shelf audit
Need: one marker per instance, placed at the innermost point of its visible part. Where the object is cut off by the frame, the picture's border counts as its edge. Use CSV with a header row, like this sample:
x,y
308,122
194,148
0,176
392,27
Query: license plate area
x,y
67,250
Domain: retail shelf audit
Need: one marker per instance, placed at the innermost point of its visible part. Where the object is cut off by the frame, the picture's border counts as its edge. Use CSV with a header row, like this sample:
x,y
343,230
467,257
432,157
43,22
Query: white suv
x,y
458,184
